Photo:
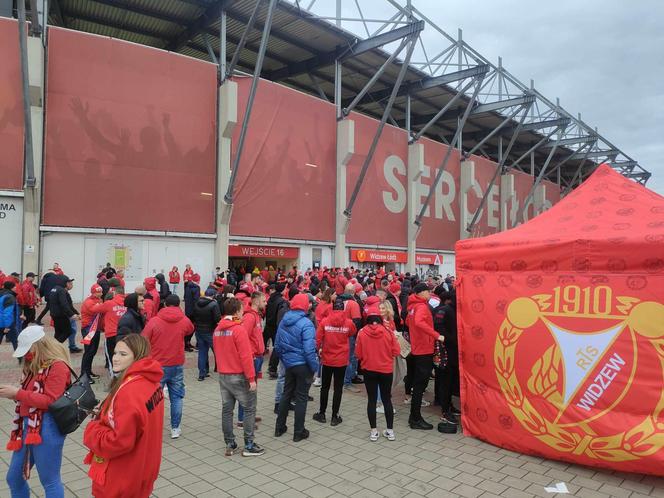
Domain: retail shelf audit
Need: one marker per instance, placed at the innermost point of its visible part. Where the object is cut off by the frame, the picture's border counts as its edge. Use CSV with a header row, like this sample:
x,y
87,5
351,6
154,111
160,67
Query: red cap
x,y
394,287
96,288
300,302
358,288
373,310
371,300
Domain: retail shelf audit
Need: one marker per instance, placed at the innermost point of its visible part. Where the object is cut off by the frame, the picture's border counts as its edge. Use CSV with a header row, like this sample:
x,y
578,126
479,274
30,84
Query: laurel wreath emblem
x,y
643,440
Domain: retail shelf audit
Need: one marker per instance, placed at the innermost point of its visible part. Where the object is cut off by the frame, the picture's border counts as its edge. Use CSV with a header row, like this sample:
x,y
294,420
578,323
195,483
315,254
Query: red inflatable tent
x,y
561,330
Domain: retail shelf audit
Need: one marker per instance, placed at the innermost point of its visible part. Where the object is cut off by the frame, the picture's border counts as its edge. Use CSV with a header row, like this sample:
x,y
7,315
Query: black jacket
x,y
391,298
60,303
192,293
164,289
48,281
103,283
275,309
206,315
450,326
133,321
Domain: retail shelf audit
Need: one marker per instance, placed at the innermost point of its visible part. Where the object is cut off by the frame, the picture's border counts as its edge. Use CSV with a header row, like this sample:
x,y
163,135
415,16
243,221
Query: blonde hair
x,y
46,351
388,309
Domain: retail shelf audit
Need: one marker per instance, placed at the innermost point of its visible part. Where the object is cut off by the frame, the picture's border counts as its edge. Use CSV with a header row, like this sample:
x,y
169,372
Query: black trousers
x,y
447,380
338,373
408,379
62,328
296,388
109,349
89,351
422,366
372,382
29,314
274,363
43,312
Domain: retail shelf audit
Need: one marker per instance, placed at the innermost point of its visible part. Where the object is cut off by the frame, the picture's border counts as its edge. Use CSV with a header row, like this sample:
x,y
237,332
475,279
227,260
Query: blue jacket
x,y
296,341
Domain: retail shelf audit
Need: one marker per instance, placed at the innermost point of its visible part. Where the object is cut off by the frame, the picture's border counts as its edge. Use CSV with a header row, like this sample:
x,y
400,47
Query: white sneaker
x,y
175,432
374,435
389,434
318,382
425,403
380,409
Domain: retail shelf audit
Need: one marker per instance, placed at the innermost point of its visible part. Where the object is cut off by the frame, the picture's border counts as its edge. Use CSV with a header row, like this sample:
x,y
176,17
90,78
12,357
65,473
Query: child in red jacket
x,y
375,348
125,437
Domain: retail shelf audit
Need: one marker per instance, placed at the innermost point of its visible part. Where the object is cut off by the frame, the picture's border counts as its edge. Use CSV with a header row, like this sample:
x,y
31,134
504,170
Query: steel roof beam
x,y
598,154
545,124
571,141
502,104
624,165
362,46
129,6
210,16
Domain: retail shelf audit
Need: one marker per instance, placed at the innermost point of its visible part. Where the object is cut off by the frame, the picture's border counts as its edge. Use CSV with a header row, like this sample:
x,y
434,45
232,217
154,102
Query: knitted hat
x,y
300,302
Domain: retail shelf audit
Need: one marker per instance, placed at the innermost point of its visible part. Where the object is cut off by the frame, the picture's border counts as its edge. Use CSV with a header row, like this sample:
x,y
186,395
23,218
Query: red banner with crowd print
x,y
560,330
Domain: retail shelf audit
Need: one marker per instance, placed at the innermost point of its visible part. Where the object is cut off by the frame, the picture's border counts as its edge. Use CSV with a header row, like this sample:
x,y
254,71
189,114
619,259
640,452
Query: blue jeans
x,y
174,379
258,364
351,369
281,380
204,344
47,457
12,335
72,336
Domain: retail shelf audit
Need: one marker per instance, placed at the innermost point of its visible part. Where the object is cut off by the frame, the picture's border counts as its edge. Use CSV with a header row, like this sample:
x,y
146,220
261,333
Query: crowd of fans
x,y
332,328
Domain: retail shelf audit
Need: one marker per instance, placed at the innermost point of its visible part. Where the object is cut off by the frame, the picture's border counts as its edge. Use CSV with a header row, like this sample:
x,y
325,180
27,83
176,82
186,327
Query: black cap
x,y
421,287
14,274
30,274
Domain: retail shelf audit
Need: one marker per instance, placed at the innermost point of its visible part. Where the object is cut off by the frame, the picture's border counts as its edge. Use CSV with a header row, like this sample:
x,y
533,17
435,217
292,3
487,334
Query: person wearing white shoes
x,y
375,348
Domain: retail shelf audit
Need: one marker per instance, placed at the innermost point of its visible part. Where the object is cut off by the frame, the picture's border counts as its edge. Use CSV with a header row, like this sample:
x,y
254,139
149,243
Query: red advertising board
x,y
11,109
285,186
489,221
379,215
130,136
380,256
428,259
263,252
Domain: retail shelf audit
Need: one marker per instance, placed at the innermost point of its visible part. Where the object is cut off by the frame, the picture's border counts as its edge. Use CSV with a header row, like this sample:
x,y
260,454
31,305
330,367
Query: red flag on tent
x,y
92,331
561,334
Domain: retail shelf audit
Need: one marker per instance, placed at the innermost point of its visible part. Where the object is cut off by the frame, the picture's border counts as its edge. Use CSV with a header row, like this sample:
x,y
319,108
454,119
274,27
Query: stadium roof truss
x,y
397,66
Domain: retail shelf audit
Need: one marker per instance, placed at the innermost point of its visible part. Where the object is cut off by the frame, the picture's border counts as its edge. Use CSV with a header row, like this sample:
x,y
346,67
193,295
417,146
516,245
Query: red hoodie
x,y
166,333
173,277
376,347
420,325
251,321
322,311
340,284
151,286
333,337
125,442
188,275
113,311
29,294
88,311
232,349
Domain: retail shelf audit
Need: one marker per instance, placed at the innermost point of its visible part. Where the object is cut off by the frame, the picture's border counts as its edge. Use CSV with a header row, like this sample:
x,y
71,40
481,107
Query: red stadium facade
x,y
131,172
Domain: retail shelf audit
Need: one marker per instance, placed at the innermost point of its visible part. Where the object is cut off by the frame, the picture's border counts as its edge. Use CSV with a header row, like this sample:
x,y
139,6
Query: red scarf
x,y
34,415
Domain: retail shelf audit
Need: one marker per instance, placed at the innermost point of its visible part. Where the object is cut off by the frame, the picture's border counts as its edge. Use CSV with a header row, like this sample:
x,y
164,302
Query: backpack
x,y
7,314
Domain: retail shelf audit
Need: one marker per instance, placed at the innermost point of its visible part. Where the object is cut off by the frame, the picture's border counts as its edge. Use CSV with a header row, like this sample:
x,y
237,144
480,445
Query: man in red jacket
x,y
112,309
89,311
29,299
166,333
422,340
253,322
237,376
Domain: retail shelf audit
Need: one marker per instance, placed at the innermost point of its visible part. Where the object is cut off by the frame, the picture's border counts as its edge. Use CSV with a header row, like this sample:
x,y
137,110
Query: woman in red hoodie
x,y
375,348
333,342
125,435
174,279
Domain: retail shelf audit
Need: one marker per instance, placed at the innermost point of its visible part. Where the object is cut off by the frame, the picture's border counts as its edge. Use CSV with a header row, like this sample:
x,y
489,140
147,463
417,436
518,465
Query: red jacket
x,y
188,275
376,347
113,311
232,349
57,380
322,311
173,277
149,309
340,284
125,443
251,321
89,309
166,333
420,326
333,337
28,294
151,286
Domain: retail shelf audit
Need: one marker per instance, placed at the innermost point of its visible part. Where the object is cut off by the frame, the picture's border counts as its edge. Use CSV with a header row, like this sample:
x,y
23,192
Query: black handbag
x,y
73,407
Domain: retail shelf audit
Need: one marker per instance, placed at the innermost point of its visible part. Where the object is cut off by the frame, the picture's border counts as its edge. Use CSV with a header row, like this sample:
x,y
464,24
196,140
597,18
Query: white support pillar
x,y
468,186
32,196
345,151
507,200
539,199
415,170
226,121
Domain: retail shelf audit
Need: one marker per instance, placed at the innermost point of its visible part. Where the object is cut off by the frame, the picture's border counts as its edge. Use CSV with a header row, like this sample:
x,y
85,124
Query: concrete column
x,y
33,195
507,200
345,151
415,170
539,200
226,122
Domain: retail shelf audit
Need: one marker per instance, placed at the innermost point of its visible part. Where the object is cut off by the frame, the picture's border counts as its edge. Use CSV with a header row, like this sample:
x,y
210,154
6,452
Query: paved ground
x,y
338,461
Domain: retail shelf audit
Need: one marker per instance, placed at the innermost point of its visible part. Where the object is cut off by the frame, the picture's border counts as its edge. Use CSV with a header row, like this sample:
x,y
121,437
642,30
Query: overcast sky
x,y
603,58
